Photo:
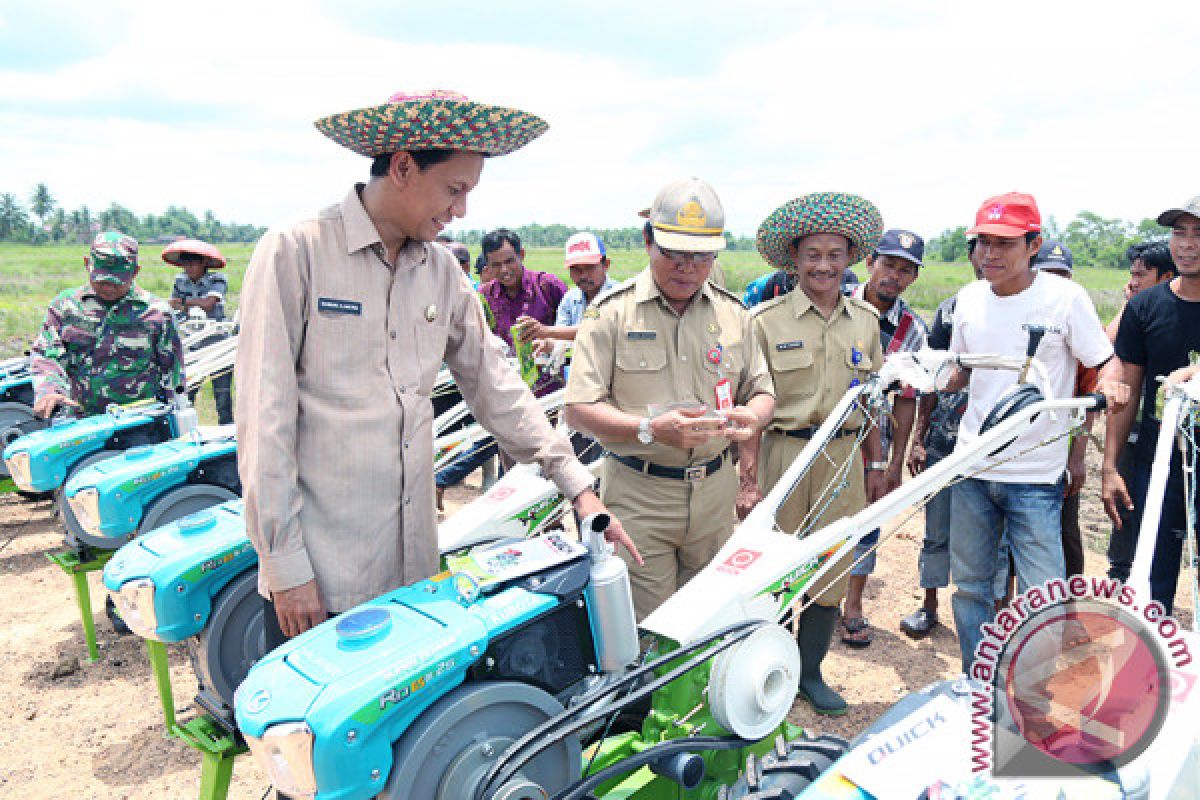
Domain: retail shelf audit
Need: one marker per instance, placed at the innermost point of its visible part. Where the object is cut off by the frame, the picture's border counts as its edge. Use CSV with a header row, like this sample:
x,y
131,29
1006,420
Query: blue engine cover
x,y
55,450
189,562
127,485
375,669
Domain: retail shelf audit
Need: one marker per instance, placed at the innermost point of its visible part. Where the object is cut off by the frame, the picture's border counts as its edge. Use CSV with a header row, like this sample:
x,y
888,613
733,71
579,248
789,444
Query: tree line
x,y
1094,241
44,221
630,238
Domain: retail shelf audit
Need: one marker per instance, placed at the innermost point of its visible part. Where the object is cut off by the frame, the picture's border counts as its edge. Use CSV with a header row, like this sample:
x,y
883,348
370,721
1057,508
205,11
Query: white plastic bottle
x,y
186,418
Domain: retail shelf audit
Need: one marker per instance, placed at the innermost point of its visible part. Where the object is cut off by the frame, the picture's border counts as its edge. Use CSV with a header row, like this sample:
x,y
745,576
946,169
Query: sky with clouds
x,y
925,108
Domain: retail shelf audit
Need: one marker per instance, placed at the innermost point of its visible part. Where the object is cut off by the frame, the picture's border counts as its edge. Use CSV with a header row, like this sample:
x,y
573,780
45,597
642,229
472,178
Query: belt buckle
x,y
694,474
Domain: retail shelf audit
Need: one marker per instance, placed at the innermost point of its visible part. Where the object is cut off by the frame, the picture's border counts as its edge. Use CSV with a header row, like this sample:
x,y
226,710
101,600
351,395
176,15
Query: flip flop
x,y
856,632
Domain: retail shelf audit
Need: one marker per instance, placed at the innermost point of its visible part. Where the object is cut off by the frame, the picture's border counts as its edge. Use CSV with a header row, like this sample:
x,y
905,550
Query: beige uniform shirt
x,y
813,361
632,350
337,355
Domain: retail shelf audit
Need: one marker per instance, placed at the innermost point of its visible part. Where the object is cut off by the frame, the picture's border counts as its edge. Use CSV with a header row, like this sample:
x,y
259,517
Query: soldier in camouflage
x,y
108,341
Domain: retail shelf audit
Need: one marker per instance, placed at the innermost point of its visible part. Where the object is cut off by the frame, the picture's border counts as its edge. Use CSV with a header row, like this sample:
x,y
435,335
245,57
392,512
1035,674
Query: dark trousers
x,y
1072,537
1123,542
1172,527
222,387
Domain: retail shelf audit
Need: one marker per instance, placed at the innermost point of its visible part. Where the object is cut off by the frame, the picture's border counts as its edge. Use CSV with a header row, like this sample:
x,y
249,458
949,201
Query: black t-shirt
x,y
1159,332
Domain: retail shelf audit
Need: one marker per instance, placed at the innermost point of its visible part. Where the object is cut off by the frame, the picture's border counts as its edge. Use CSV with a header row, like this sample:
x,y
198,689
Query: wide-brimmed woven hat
x,y
434,120
820,212
187,249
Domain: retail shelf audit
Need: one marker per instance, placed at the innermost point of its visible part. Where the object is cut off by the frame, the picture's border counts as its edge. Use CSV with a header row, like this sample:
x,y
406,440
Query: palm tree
x,y
13,218
41,202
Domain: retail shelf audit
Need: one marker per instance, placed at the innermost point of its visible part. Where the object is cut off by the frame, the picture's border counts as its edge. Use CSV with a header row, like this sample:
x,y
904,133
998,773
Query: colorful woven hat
x,y
434,120
177,253
820,212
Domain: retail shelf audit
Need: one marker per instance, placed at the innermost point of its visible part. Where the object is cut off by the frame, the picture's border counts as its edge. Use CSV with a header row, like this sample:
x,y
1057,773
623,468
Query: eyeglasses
x,y
680,258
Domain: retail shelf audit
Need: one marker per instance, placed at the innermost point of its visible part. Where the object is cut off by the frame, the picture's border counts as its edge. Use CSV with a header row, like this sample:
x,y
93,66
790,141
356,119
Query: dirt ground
x,y
79,730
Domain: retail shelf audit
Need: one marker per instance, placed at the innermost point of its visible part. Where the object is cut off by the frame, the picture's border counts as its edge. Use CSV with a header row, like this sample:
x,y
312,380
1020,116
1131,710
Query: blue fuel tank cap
x,y
364,625
197,522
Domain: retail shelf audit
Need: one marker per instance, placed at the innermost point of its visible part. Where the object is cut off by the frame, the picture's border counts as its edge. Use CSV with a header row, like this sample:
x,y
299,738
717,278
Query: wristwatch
x,y
644,434
877,466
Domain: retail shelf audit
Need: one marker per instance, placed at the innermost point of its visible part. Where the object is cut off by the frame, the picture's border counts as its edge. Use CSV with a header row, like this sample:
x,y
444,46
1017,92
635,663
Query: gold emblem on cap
x,y
691,215
712,328
430,313
906,240
1057,250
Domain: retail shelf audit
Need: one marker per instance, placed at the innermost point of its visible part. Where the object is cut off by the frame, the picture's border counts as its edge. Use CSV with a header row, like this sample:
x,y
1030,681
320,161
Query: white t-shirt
x,y
987,323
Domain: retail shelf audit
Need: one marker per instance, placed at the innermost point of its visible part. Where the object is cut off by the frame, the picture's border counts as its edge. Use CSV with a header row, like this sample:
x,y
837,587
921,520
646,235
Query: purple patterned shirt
x,y
539,297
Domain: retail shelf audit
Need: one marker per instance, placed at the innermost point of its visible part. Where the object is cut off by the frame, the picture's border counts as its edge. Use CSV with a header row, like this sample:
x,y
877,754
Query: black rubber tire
x,y
233,640
786,771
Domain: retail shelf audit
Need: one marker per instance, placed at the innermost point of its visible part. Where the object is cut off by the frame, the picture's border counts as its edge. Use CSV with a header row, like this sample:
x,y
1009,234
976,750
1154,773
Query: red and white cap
x,y
584,247
1012,214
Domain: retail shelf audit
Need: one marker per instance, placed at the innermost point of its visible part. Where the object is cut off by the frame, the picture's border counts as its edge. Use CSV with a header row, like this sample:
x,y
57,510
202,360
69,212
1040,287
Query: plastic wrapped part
x,y
186,418
609,600
753,683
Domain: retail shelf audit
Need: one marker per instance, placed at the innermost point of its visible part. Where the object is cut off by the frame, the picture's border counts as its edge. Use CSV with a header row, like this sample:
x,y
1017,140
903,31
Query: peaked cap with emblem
x,y
820,212
434,120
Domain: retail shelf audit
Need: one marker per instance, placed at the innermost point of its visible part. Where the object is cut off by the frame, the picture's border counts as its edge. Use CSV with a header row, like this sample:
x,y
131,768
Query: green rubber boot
x,y
816,632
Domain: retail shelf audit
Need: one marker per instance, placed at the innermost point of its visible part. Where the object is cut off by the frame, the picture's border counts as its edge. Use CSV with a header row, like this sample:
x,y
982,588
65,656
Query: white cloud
x,y
925,113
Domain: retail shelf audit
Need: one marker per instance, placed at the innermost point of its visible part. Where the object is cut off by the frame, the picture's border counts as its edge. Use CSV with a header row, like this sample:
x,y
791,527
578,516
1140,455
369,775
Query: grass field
x,y
30,276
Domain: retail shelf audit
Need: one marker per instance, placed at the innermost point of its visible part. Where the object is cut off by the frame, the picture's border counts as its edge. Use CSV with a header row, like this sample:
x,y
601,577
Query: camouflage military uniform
x,y
99,354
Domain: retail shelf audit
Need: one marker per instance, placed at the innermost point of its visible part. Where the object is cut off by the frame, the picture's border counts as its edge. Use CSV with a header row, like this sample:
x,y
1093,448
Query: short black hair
x,y
422,158
648,232
1031,235
494,240
1134,251
972,241
1157,256
480,263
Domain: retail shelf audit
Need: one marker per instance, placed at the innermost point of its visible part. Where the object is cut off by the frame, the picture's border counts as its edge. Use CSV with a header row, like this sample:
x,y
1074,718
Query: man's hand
x,y
686,427
741,423
876,485
916,458
529,328
748,496
1115,495
176,303
44,406
1116,394
587,503
893,476
1076,473
299,608
543,347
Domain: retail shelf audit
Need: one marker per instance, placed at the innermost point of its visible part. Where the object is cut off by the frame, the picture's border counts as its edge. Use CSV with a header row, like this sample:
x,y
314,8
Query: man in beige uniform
x,y
346,320
670,338
818,343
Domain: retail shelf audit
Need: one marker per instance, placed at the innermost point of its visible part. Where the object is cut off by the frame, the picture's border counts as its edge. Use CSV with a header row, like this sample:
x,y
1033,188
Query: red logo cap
x,y
1012,214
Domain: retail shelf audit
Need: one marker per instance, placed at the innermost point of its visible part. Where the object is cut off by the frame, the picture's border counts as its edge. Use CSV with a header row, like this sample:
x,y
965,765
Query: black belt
x,y
694,473
807,433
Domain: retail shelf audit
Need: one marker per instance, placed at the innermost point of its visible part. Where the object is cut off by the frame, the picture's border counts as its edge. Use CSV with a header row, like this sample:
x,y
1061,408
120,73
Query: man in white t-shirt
x,y
1017,493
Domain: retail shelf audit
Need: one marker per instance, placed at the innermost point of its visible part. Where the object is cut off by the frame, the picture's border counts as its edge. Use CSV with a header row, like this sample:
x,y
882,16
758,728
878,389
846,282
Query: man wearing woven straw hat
x,y
665,375
198,286
818,343
346,319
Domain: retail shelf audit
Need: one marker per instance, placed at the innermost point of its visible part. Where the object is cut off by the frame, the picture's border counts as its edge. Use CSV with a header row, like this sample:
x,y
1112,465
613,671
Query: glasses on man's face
x,y
680,258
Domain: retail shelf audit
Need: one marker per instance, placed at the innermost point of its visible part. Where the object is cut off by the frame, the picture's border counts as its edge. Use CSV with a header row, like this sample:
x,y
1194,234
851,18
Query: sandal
x,y
856,632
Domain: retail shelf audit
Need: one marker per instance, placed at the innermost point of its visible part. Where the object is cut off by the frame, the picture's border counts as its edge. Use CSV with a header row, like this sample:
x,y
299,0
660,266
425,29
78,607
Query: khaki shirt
x,y
337,355
632,350
814,361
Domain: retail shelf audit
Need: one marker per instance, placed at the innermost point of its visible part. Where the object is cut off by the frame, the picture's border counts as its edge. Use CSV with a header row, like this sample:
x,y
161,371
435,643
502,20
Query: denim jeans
x,y
867,565
457,470
1026,515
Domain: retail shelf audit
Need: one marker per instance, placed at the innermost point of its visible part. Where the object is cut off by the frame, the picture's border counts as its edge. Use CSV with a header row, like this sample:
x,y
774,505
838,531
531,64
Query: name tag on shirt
x,y
641,336
784,346
335,306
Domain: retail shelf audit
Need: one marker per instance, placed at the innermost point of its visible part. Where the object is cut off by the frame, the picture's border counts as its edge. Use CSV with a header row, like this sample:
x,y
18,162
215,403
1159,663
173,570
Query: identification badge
x,y
335,306
641,336
856,356
785,346
724,395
